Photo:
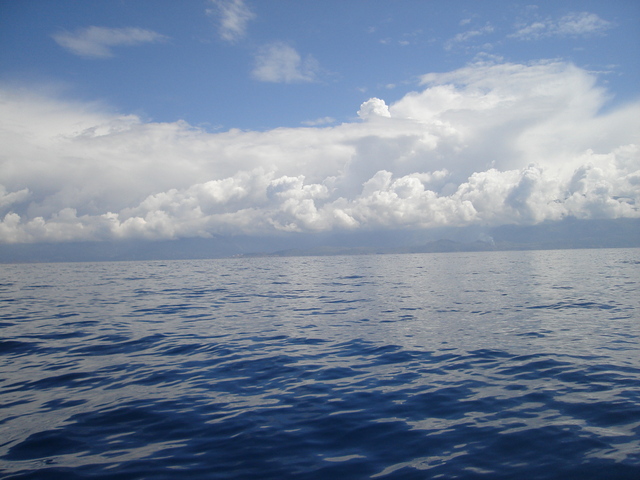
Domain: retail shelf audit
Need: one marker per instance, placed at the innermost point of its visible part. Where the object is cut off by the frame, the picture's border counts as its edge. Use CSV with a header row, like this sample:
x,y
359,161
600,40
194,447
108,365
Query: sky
x,y
159,120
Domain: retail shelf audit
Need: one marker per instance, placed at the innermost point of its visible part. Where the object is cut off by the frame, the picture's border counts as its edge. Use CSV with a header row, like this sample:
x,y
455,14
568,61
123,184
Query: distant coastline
x,y
566,234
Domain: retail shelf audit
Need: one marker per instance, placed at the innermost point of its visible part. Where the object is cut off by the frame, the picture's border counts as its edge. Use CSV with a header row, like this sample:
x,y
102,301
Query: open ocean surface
x,y
493,365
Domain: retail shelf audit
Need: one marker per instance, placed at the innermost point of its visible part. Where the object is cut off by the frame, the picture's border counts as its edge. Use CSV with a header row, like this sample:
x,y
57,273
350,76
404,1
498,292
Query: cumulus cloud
x,y
281,63
233,15
580,24
488,144
97,42
374,107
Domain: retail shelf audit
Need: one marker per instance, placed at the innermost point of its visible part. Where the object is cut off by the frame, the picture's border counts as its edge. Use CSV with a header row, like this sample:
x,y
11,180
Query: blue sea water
x,y
493,365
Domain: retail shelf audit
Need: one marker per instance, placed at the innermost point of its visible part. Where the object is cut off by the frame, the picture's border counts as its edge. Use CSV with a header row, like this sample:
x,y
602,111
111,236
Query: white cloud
x,y
97,42
234,16
281,63
574,25
488,144
7,199
464,37
319,121
374,107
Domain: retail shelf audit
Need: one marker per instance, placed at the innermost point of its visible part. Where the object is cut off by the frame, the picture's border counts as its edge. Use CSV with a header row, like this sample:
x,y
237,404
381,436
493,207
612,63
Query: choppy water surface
x,y
522,365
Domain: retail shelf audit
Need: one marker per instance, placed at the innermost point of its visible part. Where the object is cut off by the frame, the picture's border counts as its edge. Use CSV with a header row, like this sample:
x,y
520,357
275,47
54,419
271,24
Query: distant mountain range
x,y
568,233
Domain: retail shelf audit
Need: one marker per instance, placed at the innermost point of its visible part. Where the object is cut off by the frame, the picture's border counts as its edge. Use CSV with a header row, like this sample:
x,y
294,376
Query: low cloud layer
x,y
489,144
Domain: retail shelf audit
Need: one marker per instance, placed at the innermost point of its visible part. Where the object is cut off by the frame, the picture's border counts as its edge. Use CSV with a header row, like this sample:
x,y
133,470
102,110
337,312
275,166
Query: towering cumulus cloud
x,y
488,144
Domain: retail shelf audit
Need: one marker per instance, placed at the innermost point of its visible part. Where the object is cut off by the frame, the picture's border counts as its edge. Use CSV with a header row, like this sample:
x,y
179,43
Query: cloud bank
x,y
488,144
97,42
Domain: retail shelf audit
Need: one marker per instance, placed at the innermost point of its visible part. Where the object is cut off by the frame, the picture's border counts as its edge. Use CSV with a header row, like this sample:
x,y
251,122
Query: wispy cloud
x,y
580,24
234,16
281,63
97,42
468,35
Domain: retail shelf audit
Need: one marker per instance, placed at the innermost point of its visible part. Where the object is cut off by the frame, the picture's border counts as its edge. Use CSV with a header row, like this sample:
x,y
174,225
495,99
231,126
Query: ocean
x,y
486,365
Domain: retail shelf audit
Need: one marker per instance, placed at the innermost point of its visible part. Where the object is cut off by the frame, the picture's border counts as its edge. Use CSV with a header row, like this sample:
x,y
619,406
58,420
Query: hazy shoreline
x,y
567,234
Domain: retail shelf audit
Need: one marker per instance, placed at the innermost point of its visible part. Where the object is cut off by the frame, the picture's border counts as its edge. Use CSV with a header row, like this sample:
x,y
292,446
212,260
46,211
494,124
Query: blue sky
x,y
165,119
193,69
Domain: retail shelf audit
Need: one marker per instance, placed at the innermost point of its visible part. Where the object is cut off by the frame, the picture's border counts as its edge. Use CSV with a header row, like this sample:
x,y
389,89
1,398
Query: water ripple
x,y
312,368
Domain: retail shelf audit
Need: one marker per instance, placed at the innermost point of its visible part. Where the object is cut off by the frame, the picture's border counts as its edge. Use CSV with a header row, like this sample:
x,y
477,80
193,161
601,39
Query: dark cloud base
x,y
566,234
